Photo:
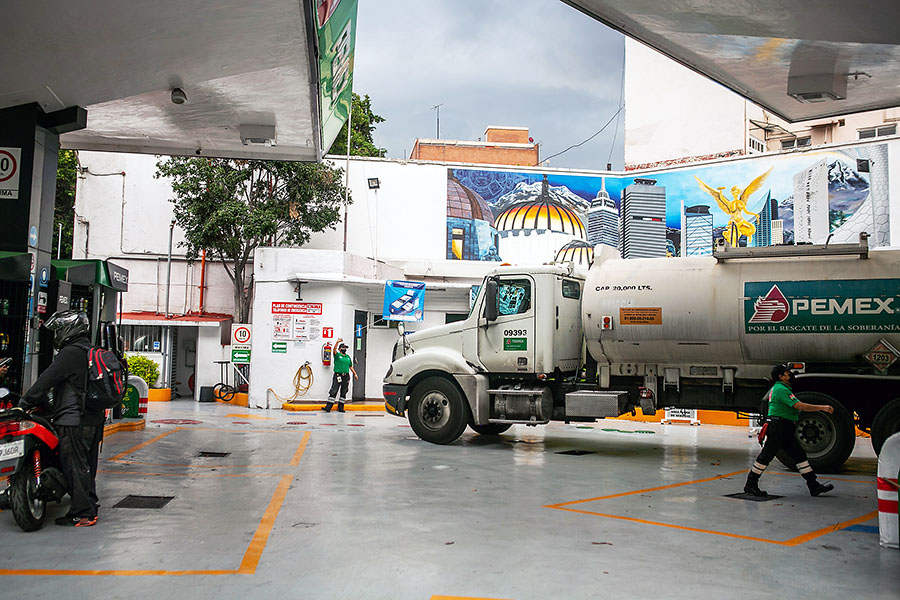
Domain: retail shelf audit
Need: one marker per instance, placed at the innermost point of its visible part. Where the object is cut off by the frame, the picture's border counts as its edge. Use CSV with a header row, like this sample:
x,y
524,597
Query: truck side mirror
x,y
401,328
490,300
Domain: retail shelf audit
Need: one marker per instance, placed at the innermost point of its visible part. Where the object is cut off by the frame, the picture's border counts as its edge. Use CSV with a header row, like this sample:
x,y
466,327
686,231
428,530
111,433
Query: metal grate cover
x,y
155,502
577,452
210,454
752,498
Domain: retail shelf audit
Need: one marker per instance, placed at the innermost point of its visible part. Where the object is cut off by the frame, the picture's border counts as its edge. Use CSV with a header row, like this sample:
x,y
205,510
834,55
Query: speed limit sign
x,y
10,159
240,334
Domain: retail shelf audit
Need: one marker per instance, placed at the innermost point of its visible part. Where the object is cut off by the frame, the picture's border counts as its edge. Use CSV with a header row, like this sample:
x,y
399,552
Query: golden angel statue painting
x,y
735,208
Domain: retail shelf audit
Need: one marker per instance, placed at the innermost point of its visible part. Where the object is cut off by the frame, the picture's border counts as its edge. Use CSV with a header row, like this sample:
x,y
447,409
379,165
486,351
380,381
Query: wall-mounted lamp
x,y
374,184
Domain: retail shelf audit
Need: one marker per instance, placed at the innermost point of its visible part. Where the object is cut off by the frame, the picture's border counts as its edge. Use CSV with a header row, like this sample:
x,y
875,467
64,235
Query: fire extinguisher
x,y
326,354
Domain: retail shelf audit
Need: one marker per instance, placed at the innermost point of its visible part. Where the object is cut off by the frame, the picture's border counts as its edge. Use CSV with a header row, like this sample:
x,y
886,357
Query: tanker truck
x,y
547,343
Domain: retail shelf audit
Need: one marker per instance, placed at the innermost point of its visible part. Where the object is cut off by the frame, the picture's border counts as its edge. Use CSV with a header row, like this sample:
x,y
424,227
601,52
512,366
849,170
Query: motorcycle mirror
x,y
4,392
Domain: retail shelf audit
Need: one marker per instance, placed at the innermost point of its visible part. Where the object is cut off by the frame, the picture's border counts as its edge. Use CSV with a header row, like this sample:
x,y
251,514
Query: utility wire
x,y
590,138
621,98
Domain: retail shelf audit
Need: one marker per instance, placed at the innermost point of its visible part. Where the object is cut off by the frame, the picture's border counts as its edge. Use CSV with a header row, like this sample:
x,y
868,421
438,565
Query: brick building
x,y
501,146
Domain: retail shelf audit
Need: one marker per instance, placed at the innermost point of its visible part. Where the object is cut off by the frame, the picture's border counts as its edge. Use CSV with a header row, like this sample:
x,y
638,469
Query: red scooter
x,y
29,461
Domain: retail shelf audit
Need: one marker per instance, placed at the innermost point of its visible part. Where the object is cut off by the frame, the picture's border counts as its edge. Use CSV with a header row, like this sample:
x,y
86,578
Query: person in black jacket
x,y
78,429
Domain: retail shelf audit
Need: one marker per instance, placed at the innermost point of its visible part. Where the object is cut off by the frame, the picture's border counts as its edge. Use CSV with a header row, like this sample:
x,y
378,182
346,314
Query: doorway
x,y
360,330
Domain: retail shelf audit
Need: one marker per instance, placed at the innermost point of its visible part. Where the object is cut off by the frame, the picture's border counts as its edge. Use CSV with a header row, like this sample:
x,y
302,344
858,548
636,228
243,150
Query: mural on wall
x,y
522,217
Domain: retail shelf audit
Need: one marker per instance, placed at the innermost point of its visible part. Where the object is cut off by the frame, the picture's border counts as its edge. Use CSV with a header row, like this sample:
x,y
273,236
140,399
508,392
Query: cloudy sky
x,y
527,63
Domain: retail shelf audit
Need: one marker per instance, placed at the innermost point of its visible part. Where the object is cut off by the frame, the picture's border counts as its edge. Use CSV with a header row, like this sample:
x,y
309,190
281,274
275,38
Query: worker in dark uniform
x,y
343,366
77,429
783,414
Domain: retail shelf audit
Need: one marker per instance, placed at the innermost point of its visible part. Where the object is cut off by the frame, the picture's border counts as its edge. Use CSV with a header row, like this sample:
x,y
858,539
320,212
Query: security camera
x,y
178,96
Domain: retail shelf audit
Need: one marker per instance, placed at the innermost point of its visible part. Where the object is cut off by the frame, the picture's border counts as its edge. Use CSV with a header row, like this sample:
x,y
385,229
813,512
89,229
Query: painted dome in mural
x,y
463,203
576,251
542,213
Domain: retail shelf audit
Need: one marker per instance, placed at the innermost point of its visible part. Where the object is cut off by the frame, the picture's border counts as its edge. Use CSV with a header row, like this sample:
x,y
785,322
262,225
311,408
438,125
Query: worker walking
x,y
783,414
340,381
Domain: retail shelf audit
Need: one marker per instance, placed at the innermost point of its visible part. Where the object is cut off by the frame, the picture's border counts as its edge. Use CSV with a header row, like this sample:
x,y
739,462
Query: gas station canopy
x,y
247,71
799,60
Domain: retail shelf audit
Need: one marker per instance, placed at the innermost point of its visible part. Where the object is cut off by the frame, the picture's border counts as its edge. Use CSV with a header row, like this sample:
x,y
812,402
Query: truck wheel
x,y
437,411
885,424
27,508
826,438
490,428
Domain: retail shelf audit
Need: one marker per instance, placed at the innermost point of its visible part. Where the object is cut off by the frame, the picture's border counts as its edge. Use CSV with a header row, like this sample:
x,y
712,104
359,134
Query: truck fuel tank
x,y
700,310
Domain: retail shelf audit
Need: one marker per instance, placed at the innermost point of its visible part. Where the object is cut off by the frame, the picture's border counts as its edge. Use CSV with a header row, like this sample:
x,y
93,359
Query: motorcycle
x,y
29,459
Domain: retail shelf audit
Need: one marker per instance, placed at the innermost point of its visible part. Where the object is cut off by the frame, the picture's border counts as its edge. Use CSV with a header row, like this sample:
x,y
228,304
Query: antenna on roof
x,y
437,107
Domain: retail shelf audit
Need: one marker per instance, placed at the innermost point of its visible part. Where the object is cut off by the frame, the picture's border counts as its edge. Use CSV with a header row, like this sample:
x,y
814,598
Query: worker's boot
x,y
328,405
752,486
815,487
340,407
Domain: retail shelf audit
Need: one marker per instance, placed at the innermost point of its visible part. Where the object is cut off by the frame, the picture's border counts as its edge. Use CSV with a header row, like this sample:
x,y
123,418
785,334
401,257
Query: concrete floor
x,y
309,505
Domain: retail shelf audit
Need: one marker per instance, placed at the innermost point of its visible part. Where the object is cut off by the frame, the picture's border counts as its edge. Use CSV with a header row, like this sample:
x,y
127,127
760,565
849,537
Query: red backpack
x,y
106,376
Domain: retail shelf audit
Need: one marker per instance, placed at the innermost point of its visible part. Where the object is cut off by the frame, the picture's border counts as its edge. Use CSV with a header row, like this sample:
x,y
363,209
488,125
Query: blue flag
x,y
404,301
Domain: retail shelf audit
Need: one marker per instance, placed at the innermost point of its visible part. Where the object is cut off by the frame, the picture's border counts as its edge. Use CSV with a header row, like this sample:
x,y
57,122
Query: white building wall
x,y
673,113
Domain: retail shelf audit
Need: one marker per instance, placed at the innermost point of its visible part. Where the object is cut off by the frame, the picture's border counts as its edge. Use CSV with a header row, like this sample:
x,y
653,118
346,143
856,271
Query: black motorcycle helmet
x,y
67,325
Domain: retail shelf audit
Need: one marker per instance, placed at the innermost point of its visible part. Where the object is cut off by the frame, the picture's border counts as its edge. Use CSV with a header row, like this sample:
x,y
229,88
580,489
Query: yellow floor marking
x,y
245,416
261,537
294,461
300,449
795,541
143,444
463,598
249,562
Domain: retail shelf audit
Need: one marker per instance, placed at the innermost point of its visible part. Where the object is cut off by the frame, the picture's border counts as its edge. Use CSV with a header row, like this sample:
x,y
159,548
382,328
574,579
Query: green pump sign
x,y
837,306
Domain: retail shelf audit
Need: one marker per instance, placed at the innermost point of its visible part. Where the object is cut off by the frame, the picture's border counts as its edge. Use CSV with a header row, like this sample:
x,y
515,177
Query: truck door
x,y
506,345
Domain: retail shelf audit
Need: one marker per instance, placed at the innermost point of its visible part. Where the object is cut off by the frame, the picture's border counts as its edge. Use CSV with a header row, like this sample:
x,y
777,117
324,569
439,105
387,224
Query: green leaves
x,y
363,122
231,207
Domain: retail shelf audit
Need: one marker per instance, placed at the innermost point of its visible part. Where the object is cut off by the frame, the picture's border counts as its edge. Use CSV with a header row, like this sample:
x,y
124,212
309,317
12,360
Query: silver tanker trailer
x,y
546,343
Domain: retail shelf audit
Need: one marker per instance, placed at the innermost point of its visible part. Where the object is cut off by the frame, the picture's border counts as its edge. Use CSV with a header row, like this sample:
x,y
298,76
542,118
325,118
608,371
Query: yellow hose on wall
x,y
303,380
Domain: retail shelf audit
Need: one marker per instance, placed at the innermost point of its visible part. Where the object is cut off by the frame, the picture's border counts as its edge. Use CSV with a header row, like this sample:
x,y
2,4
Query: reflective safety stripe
x,y
804,467
758,468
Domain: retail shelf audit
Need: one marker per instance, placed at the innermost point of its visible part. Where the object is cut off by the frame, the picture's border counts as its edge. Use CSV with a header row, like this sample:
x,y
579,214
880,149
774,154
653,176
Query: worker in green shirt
x,y
343,366
783,414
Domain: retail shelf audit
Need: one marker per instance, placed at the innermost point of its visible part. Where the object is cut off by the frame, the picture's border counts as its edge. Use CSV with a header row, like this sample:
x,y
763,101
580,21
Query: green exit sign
x,y
279,347
240,356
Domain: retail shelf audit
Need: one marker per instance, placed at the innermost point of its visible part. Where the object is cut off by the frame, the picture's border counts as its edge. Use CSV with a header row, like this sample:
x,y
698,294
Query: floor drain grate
x,y
208,454
752,498
577,452
155,502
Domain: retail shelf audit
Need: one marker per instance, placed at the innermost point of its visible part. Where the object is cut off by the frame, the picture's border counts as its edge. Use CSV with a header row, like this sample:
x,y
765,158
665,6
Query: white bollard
x,y
888,470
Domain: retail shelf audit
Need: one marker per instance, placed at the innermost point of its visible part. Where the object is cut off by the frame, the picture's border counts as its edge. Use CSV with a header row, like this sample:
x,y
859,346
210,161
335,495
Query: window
x,y
142,338
757,145
455,317
379,321
799,142
514,296
871,132
571,289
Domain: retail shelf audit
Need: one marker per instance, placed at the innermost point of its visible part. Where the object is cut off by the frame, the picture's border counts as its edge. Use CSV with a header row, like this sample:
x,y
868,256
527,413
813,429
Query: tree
x,y
363,121
64,207
231,207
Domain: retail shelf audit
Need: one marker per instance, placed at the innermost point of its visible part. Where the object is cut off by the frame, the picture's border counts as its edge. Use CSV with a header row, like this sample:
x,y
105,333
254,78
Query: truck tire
x,y
490,428
885,424
437,411
826,438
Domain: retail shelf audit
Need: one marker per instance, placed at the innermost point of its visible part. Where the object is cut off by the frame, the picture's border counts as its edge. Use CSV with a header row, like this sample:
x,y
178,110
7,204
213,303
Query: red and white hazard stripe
x,y
888,524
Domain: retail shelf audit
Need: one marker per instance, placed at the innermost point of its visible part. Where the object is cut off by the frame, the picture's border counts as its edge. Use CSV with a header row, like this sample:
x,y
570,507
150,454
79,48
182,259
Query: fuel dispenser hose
x,y
303,380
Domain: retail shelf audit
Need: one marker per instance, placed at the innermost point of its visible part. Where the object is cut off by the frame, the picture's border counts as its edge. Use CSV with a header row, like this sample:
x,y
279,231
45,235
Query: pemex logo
x,y
773,308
